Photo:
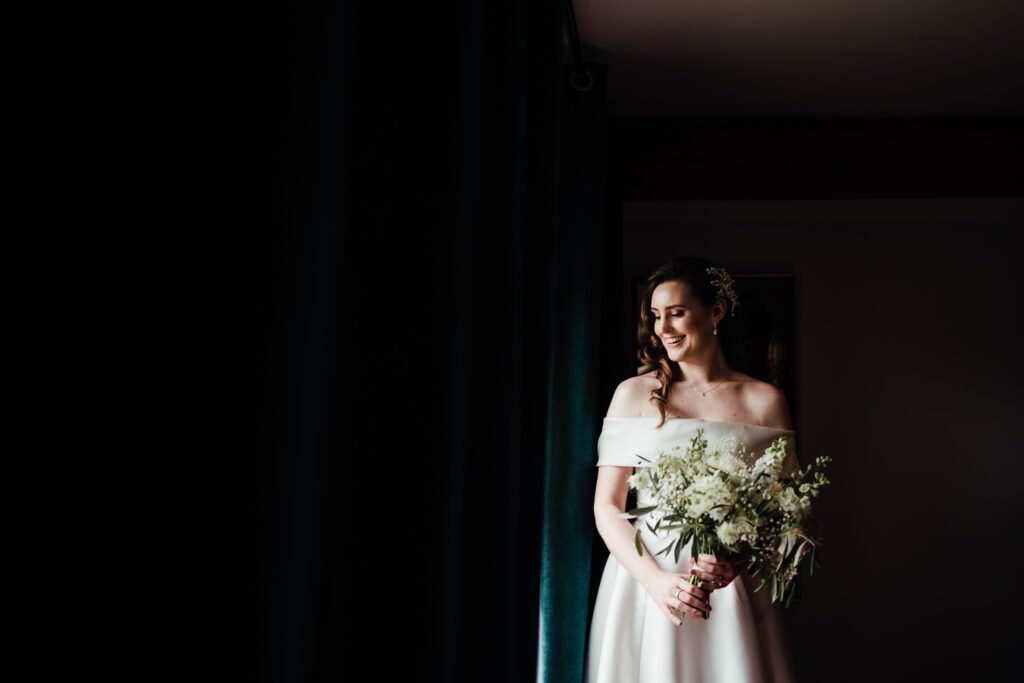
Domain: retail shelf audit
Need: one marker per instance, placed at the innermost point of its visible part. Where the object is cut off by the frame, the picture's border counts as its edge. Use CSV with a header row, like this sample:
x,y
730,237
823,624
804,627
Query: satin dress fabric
x,y
631,640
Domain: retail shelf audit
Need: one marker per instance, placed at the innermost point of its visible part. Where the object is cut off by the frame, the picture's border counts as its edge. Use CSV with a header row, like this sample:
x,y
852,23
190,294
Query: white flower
x,y
728,463
698,504
728,533
709,494
641,479
733,531
788,501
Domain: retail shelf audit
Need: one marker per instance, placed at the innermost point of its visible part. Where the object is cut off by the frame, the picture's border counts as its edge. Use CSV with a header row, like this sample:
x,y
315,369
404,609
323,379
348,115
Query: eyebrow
x,y
655,308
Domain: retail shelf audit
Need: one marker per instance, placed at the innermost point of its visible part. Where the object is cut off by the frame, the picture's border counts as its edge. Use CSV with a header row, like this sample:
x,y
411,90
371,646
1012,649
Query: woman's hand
x,y
717,573
672,590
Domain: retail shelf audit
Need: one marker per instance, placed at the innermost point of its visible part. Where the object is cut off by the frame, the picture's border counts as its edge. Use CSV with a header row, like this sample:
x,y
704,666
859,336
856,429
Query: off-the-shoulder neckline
x,y
700,419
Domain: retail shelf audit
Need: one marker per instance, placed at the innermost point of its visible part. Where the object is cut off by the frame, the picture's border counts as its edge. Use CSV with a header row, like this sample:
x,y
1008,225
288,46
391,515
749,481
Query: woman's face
x,y
681,321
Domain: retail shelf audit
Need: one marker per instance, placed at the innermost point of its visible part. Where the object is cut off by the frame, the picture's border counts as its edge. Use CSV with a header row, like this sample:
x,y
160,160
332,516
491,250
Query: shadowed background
x,y
362,299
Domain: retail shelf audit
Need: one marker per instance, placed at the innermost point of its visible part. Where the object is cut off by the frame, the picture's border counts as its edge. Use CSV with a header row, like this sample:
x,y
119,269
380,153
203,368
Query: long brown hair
x,y
651,353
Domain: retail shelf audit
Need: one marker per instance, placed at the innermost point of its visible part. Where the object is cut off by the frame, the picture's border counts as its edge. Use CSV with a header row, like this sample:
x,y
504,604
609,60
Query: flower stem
x,y
695,580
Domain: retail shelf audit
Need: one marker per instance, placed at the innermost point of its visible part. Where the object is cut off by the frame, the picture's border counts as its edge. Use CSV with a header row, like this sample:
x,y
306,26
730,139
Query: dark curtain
x,y
352,293
585,247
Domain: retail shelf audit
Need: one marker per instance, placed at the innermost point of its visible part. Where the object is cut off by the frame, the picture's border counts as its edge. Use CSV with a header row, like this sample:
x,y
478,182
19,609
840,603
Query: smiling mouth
x,y
678,341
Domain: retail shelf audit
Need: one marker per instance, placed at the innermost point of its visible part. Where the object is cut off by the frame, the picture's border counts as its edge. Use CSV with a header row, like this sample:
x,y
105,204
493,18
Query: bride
x,y
688,382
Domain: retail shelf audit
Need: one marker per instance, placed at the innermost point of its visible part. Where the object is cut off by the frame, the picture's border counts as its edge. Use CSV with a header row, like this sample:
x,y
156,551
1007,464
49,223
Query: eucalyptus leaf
x,y
638,511
797,555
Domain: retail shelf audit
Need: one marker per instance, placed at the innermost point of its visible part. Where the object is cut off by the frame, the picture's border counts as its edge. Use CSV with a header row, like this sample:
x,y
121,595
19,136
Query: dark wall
x,y
903,236
817,159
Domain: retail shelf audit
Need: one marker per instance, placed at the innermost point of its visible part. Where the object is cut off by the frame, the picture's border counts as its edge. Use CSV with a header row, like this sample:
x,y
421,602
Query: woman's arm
x,y
610,495
666,588
618,534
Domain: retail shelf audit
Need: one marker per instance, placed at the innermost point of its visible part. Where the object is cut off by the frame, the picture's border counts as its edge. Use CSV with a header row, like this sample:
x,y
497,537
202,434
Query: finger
x,y
699,607
698,594
708,585
671,612
709,579
687,608
714,566
710,559
705,575
719,570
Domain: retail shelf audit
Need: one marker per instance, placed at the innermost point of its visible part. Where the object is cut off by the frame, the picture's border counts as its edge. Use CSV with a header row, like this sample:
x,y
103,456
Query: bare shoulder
x,y
629,397
768,402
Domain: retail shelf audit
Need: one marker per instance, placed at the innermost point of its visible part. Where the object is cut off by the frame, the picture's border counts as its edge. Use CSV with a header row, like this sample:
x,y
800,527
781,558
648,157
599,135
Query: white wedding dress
x,y
631,640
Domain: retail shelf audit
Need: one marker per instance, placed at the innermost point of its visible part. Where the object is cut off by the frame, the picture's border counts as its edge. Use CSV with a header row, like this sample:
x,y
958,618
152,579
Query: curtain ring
x,y
590,80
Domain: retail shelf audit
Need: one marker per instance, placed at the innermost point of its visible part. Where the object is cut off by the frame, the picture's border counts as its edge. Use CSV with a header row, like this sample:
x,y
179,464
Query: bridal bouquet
x,y
746,513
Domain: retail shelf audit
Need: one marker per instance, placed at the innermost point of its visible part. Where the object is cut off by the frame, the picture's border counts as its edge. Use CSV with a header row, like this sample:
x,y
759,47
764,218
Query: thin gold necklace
x,y
705,393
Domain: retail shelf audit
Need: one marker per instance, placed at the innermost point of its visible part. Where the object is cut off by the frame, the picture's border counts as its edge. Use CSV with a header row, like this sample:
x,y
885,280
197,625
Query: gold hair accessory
x,y
723,283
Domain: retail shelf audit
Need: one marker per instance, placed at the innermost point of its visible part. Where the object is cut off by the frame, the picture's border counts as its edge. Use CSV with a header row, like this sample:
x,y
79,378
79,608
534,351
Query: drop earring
x,y
716,328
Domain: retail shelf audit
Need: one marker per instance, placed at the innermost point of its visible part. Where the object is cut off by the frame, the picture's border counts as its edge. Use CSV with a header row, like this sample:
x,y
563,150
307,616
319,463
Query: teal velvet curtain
x,y
584,249
366,273
480,272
